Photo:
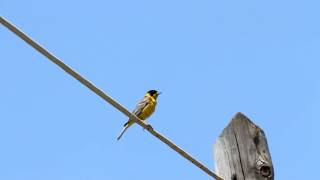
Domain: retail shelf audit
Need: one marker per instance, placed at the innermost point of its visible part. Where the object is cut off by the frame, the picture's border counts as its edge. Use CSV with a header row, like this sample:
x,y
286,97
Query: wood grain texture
x,y
241,152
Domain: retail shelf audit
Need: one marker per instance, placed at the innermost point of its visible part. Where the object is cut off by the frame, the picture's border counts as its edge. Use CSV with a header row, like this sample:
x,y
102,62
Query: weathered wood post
x,y
241,152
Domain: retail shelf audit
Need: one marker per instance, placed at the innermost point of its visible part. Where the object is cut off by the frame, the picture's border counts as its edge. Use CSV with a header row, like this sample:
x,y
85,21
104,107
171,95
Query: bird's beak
x,y
159,93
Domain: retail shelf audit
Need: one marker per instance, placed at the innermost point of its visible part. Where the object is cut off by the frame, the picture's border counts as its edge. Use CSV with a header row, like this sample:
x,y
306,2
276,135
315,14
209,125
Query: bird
x,y
143,110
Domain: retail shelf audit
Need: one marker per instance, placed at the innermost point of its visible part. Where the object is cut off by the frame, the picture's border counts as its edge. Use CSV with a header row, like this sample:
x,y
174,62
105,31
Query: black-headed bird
x,y
143,110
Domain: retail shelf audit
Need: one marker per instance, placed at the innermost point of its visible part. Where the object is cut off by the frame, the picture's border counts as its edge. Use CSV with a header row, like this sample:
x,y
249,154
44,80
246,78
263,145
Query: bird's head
x,y
153,93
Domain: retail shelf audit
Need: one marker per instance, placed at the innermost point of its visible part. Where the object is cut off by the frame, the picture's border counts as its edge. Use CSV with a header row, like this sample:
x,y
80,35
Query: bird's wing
x,y
140,106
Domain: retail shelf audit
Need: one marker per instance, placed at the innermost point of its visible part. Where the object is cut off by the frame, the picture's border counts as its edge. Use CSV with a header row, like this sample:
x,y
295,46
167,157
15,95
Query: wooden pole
x,y
241,152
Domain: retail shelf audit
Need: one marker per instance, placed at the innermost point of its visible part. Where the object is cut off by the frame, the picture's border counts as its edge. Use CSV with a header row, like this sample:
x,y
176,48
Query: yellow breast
x,y
149,109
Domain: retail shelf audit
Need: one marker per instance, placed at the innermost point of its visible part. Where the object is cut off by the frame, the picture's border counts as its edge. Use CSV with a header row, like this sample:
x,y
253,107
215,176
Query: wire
x,y
104,96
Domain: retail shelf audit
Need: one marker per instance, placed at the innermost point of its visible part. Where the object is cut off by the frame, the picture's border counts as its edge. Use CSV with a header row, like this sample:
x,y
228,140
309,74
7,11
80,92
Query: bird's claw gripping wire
x,y
149,127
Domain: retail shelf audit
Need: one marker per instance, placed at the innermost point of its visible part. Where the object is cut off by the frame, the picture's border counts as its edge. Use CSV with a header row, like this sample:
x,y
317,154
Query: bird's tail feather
x,y
126,126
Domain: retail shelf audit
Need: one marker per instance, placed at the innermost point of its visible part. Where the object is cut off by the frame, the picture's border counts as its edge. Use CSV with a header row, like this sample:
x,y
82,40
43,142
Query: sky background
x,y
211,59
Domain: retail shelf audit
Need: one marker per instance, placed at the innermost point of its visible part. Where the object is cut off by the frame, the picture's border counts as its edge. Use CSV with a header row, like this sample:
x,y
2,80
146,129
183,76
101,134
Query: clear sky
x,y
211,59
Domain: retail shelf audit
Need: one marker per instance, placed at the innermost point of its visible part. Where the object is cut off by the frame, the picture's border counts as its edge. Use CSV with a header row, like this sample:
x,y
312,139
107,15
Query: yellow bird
x,y
143,110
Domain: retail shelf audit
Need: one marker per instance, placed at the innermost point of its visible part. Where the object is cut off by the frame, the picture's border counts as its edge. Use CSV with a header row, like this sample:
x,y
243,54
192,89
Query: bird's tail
x,y
126,126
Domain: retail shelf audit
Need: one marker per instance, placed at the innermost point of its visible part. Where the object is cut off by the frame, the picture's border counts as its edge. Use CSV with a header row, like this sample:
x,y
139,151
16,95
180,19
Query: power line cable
x,y
104,96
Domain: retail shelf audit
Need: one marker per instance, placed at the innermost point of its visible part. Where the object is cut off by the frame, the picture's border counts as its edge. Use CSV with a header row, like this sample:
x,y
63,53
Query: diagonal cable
x,y
104,96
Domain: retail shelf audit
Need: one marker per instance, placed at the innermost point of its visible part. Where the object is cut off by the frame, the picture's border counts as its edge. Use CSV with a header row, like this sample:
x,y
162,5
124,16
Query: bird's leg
x,y
149,127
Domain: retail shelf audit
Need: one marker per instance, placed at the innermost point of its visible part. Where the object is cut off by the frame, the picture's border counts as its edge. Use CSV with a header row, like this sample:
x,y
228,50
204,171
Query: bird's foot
x,y
149,127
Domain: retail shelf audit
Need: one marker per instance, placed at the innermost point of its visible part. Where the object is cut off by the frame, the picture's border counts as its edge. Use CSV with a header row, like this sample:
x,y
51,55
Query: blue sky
x,y
211,59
